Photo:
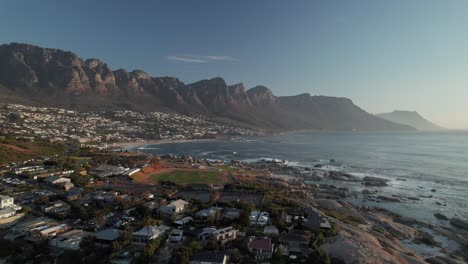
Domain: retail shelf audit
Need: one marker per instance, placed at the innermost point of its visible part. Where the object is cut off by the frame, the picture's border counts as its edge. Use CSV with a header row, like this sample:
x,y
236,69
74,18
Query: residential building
x,y
74,193
47,231
57,180
7,207
57,207
225,235
209,213
315,220
174,208
148,233
232,213
6,201
70,240
260,247
222,236
259,218
105,238
176,235
296,242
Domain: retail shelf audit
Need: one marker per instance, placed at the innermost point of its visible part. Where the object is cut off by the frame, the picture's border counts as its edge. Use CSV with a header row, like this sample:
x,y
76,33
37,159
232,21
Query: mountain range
x,y
410,118
52,77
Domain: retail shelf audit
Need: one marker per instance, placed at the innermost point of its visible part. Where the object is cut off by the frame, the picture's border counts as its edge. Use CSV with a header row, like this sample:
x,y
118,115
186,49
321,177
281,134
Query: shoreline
x,y
131,146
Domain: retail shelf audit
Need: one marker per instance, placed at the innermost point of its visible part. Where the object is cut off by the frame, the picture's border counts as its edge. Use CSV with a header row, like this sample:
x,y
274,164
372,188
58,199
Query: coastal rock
x,y
352,245
375,181
318,175
443,260
389,199
457,222
441,216
341,176
426,196
427,239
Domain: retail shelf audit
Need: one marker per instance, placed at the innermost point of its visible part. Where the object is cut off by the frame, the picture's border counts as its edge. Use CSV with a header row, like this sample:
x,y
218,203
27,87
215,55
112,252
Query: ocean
x,y
419,164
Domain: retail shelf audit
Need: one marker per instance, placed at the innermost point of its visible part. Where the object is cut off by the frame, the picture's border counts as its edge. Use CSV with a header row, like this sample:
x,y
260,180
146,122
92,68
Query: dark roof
x,y
260,243
75,191
207,256
108,234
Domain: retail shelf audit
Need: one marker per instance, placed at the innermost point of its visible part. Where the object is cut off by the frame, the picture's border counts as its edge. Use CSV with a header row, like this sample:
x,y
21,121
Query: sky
x,y
384,55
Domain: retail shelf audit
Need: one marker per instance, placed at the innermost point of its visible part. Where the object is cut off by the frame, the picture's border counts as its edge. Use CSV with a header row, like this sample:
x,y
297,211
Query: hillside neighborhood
x,y
104,210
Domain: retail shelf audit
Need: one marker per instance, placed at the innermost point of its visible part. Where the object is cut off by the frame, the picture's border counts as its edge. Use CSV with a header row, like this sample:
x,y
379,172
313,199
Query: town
x,y
94,206
99,128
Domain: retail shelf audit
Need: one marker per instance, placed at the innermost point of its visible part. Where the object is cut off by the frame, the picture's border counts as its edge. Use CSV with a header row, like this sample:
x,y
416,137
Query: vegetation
x,y
183,254
14,150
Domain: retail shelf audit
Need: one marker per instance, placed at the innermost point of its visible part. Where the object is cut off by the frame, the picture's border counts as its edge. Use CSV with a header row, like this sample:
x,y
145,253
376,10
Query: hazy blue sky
x,y
384,55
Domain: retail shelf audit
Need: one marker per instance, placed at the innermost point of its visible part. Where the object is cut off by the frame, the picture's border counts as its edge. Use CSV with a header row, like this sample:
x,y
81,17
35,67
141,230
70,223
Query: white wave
x,y
147,148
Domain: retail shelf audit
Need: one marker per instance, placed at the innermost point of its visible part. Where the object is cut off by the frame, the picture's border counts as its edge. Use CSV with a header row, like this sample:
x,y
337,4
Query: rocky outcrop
x,y
375,181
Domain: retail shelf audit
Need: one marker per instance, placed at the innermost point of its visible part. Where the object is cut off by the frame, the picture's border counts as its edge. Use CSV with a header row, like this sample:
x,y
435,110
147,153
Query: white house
x,y
6,201
259,218
143,236
176,235
174,208
7,207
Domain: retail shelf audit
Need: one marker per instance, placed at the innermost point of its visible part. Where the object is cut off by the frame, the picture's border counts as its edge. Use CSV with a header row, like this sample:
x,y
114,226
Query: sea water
x,y
419,164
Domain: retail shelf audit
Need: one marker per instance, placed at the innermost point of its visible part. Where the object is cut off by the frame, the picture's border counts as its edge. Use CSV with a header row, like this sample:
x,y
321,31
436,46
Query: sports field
x,y
185,176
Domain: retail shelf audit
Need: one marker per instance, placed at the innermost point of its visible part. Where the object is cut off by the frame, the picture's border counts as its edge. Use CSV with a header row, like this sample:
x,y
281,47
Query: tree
x,y
43,199
26,209
244,219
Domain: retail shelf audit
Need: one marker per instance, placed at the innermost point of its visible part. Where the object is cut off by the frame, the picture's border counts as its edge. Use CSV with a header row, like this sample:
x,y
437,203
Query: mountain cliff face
x,y
34,75
410,118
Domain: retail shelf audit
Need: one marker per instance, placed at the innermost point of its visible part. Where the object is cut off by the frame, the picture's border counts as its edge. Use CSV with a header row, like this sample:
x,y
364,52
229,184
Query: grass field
x,y
227,168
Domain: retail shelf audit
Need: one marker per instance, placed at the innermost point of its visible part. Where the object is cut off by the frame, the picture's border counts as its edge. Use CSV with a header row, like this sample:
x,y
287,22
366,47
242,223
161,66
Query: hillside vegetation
x,y
13,150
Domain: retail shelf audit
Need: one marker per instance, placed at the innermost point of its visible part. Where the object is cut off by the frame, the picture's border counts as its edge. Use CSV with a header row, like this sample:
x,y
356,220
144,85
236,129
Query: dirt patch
x,y
16,148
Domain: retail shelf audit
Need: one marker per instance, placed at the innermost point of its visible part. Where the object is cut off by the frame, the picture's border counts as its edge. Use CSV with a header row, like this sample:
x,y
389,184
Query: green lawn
x,y
227,168
190,177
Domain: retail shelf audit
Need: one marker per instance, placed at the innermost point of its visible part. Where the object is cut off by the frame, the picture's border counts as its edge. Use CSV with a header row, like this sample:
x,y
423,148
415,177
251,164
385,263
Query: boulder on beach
x,y
457,222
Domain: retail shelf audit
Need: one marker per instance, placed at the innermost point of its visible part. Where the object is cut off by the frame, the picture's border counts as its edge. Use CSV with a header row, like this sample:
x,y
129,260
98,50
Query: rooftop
x,y
108,234
260,243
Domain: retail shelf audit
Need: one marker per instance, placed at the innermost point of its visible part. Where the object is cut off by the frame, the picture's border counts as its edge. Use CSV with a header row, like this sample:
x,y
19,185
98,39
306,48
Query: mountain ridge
x,y
35,75
410,118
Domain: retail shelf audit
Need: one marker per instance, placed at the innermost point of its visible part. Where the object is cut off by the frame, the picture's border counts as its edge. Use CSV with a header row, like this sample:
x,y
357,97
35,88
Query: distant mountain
x,y
410,118
41,76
